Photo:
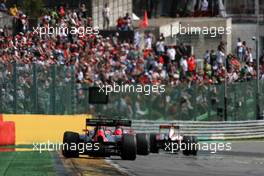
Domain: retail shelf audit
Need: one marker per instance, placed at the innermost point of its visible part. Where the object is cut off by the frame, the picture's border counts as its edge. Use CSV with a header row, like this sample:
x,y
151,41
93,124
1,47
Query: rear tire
x,y
194,145
153,143
190,143
142,144
70,141
128,147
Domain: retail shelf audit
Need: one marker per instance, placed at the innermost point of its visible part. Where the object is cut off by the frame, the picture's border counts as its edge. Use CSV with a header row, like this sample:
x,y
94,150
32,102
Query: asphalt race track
x,y
245,159
194,166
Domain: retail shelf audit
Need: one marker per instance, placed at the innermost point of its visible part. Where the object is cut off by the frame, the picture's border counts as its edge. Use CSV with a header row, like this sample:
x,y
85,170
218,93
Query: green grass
x,y
20,146
26,164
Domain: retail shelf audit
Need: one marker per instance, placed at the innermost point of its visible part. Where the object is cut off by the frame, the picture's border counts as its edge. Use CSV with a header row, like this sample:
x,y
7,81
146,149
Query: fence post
x,y
163,97
73,91
262,99
14,87
53,90
209,103
194,103
35,90
236,107
1,100
87,106
256,100
134,99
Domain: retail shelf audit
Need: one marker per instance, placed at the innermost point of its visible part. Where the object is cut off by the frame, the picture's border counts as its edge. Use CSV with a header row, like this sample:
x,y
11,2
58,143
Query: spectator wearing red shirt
x,y
191,64
120,23
61,11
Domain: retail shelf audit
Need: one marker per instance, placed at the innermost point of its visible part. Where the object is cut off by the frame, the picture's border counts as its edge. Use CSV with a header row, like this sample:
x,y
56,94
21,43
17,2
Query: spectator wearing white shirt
x,y
232,76
80,76
137,40
207,57
106,17
204,6
239,49
221,8
262,77
220,57
249,55
171,53
160,47
148,42
184,65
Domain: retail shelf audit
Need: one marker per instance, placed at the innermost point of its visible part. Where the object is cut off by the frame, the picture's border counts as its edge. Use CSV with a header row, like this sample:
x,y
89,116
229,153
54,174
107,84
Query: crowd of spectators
x,y
124,23
99,60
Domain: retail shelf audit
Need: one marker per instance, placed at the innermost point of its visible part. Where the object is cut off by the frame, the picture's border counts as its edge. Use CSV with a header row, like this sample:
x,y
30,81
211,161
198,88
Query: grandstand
x,y
36,71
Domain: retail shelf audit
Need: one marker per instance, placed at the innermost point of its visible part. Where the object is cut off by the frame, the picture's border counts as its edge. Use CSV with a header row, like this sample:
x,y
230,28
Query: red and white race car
x,y
109,137
170,139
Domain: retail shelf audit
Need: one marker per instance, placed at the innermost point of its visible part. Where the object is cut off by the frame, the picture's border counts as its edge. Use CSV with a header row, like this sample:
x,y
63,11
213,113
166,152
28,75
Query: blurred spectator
x,y
184,66
221,8
90,22
249,56
83,11
171,53
127,23
106,16
148,41
220,57
124,23
13,11
120,24
21,23
160,46
213,57
207,58
239,49
190,7
61,11
7,31
3,6
204,6
153,11
191,64
242,50
137,39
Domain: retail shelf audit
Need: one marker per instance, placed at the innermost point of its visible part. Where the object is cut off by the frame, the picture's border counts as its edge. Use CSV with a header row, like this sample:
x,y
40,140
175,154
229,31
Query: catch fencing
x,y
35,89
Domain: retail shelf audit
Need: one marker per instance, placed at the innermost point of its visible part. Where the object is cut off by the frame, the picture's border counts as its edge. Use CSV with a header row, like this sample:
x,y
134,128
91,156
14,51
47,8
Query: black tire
x,y
186,141
153,143
128,147
70,139
142,144
194,146
190,143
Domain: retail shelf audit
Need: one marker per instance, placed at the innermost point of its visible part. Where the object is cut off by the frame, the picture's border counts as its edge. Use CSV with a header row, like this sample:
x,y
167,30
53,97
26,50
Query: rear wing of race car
x,y
169,126
108,122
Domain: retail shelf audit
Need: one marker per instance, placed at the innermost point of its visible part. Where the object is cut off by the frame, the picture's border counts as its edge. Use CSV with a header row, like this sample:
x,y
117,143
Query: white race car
x,y
170,139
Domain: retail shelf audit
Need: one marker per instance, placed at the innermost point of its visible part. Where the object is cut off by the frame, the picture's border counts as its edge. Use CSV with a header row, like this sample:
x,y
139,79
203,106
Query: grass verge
x,y
27,163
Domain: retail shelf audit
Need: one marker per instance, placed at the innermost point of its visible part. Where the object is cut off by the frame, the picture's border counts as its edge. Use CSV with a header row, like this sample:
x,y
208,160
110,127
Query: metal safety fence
x,y
36,89
231,130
